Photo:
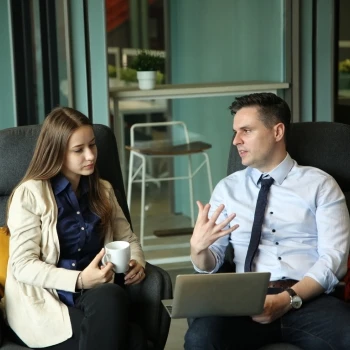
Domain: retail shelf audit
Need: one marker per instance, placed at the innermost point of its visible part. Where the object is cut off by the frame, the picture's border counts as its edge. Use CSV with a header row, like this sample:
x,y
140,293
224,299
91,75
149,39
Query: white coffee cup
x,y
118,253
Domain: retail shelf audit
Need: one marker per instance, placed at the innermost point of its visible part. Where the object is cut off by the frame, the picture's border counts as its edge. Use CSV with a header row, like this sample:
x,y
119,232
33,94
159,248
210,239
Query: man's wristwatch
x,y
295,300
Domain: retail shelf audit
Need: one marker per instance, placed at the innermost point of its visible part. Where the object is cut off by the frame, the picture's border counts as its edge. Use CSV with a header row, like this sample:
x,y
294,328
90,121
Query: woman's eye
x,y
92,145
78,150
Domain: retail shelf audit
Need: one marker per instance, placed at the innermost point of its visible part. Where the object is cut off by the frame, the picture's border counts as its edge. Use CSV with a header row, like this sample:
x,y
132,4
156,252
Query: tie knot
x,y
266,182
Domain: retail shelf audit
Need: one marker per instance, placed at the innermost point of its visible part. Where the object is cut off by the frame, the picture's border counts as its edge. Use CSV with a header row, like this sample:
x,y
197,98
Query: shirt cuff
x,y
328,280
216,268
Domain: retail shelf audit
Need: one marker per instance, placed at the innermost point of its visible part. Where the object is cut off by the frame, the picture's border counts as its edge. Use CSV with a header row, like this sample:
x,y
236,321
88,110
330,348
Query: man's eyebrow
x,y
242,127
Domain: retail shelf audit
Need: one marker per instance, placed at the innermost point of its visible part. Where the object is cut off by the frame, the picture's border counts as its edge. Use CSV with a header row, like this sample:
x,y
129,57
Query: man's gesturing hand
x,y
206,231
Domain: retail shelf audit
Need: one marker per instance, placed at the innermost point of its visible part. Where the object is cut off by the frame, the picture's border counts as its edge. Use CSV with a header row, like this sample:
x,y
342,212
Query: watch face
x,y
296,302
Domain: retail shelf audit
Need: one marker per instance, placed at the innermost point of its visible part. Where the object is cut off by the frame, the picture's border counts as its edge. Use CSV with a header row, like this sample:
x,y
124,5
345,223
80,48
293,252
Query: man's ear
x,y
279,131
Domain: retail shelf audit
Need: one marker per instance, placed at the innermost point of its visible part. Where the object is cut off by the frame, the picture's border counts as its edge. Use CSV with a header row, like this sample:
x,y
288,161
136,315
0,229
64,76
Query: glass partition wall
x,y
133,26
342,64
39,41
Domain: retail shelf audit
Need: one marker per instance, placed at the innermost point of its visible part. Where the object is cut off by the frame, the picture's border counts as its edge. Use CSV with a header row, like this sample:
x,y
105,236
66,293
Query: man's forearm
x,y
204,260
308,288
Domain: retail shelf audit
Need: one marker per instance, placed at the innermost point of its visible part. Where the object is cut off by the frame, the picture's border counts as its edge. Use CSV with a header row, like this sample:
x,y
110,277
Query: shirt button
x,y
276,243
78,212
73,264
83,228
271,212
283,278
79,249
279,258
273,230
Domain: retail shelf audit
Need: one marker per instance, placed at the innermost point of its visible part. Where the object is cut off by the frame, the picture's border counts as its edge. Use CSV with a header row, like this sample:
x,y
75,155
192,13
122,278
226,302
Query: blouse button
x,y
78,212
73,264
79,249
83,228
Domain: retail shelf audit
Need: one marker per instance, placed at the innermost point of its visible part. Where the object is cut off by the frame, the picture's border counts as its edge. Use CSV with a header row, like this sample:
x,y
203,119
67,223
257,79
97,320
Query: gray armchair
x,y
16,148
324,145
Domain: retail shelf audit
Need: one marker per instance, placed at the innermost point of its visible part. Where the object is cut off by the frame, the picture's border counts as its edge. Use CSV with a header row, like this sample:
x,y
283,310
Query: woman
x,y
60,216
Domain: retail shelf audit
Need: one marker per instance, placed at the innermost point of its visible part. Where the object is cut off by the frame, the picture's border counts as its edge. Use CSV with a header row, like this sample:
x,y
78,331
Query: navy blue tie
x,y
258,221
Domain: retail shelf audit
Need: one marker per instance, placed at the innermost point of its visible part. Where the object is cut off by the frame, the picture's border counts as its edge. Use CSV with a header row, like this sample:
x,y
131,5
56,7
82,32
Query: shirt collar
x,y
278,174
60,183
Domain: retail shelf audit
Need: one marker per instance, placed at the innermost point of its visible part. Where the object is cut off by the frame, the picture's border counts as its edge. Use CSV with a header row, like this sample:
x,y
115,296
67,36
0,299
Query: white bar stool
x,y
163,149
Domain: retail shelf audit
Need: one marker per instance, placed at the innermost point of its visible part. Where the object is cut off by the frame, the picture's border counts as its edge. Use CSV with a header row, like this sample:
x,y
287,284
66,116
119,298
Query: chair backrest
x,y
16,150
324,145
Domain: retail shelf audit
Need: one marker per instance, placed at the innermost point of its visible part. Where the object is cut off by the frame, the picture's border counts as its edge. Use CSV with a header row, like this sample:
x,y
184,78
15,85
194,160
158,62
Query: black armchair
x,y
324,145
16,148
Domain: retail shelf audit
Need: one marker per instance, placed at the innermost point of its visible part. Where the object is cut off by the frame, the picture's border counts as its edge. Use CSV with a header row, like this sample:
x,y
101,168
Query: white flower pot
x,y
147,80
113,82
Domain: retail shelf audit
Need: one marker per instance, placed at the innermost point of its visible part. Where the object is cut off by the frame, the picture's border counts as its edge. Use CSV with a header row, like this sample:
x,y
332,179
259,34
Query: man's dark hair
x,y
272,109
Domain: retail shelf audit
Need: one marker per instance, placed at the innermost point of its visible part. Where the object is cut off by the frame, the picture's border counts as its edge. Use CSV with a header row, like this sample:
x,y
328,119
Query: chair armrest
x,y
146,307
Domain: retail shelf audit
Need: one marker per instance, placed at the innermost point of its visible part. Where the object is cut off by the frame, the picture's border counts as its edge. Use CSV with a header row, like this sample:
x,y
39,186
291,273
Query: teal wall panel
x,y
7,81
322,104
98,57
306,61
96,24
324,62
213,41
78,56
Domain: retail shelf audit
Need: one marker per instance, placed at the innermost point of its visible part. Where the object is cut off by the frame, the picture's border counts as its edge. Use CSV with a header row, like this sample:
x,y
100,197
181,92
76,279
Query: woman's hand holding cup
x,y
135,274
93,275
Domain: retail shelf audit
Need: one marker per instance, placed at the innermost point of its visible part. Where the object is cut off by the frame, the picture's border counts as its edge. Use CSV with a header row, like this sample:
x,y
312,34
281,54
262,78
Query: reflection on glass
x,y
40,109
343,102
62,54
132,26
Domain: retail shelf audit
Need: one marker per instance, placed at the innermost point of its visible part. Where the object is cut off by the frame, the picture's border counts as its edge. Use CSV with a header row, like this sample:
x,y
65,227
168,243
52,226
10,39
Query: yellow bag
x,y
4,256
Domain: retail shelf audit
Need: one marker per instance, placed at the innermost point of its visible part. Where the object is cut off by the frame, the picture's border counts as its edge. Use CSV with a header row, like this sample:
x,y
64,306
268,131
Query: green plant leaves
x,y
145,61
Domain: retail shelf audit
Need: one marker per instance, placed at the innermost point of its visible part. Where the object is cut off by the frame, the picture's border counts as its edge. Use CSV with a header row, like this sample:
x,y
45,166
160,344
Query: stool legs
x,y
210,181
143,194
142,168
131,178
190,185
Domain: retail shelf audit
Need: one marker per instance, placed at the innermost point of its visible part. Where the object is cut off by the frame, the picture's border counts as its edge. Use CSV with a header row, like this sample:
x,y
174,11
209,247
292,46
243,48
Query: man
x,y
304,240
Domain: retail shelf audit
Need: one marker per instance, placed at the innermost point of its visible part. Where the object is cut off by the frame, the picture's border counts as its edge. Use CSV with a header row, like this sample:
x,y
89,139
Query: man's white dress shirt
x,y
306,226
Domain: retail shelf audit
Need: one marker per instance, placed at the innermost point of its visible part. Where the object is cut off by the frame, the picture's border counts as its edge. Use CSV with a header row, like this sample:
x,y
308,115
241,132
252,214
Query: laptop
x,y
218,294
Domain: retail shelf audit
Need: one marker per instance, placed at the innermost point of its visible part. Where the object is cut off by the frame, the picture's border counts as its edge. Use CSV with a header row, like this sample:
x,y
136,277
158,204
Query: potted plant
x,y
147,64
112,75
344,74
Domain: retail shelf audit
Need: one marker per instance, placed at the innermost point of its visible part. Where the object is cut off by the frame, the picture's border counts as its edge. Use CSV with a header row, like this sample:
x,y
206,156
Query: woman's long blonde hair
x,y
49,156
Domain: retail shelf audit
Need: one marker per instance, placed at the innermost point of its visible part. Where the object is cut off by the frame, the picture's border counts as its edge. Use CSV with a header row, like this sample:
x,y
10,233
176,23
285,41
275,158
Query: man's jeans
x,y
321,324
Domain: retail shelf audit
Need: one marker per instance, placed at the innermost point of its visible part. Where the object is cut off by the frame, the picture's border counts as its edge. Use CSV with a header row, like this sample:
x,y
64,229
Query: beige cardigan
x,y
33,308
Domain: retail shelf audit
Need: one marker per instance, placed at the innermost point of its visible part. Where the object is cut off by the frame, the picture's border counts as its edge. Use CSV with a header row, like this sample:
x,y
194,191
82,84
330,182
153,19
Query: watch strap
x,y
291,292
